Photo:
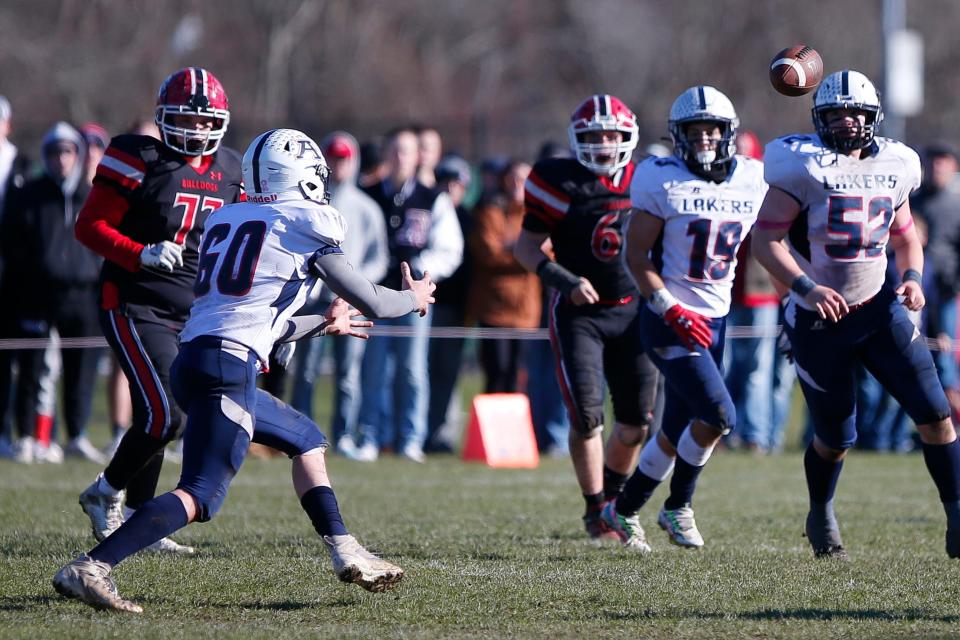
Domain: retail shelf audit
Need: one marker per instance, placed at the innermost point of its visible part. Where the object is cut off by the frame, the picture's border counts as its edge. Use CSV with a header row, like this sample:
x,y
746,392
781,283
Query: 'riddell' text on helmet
x,y
603,112
704,104
847,90
285,163
192,92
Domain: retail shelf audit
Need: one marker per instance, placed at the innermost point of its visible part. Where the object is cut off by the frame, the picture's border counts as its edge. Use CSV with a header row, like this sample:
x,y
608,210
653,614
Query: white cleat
x,y
104,510
627,528
353,563
89,581
681,527
168,546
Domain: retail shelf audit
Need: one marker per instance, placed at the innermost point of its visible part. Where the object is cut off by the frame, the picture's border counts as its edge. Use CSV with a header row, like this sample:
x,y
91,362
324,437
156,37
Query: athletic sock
x,y
943,463
320,503
154,520
691,459
594,502
613,483
822,476
636,493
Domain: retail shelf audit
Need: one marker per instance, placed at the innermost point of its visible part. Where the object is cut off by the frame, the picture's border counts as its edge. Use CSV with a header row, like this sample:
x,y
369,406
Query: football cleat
x,y
681,527
168,546
596,528
103,510
89,581
352,563
824,535
627,528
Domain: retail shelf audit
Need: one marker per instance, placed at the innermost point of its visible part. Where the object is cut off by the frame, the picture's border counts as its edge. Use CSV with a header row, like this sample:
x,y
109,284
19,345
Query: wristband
x,y
661,300
802,285
913,274
554,275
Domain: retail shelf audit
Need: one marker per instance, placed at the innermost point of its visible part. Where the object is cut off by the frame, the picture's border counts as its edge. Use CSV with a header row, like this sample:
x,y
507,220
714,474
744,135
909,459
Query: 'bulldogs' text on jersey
x,y
245,248
169,200
704,223
584,215
849,204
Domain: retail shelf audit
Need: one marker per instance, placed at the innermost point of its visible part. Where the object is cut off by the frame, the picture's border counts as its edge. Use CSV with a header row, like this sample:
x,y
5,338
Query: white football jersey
x,y
704,223
254,270
849,203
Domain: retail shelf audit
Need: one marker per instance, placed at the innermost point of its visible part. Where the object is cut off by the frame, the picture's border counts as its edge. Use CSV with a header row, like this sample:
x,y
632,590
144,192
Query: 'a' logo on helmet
x,y
306,145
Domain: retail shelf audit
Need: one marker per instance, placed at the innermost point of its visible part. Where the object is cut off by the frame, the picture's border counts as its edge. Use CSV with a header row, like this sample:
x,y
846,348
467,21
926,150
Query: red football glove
x,y
690,326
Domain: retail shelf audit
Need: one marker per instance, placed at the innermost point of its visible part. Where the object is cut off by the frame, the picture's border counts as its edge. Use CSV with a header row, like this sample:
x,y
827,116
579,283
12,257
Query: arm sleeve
x,y
97,224
372,300
642,189
782,170
445,252
299,327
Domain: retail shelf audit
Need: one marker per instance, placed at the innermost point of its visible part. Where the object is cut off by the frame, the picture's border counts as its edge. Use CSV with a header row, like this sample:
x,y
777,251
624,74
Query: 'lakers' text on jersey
x,y
584,215
704,223
849,205
168,200
245,248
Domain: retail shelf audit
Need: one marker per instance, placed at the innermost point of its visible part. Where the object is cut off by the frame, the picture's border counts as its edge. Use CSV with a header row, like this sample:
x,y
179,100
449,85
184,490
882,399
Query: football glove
x,y
690,326
163,256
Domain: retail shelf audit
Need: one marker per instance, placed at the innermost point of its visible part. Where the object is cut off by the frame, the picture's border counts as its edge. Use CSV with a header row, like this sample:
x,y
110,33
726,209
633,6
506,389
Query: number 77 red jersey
x,y
145,193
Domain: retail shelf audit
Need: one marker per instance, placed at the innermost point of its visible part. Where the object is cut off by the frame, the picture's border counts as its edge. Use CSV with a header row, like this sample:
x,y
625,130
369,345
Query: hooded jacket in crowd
x,y
41,255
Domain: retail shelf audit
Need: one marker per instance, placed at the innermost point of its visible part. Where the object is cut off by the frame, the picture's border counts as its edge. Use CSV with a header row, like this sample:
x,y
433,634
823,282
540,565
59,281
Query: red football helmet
x,y
603,112
196,92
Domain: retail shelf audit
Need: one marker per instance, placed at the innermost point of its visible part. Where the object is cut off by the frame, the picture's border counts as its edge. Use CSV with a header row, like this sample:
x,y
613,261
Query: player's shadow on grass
x,y
895,615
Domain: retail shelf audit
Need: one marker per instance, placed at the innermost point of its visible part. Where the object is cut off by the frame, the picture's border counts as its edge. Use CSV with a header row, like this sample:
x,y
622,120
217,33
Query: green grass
x,y
500,553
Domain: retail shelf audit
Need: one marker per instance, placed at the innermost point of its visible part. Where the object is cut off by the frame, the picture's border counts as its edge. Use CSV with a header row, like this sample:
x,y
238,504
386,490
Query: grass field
x,y
500,554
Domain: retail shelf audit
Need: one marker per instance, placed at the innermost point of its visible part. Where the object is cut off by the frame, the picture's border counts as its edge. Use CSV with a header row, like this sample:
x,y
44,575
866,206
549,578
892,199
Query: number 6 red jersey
x,y
145,193
584,214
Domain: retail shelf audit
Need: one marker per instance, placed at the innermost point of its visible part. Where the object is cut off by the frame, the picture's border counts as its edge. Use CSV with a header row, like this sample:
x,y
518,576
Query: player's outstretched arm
x,y
777,214
373,300
908,252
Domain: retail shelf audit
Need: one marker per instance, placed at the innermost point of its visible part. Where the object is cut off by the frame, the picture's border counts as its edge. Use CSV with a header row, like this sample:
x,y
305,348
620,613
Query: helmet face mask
x,y
285,163
186,98
603,133
852,93
707,106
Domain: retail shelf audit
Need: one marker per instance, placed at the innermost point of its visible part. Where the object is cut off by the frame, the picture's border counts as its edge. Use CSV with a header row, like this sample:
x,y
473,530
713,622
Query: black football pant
x,y
145,351
500,359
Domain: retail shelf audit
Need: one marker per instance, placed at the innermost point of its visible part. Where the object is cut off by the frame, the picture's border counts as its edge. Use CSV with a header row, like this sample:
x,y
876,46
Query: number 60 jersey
x,y
850,205
704,223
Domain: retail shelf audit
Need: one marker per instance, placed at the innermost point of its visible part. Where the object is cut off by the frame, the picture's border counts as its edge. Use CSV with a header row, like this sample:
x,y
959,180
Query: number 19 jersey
x,y
256,269
849,205
704,223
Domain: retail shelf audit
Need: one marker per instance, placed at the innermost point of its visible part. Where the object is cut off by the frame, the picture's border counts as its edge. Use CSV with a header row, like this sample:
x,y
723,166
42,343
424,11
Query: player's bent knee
x,y
939,432
630,435
581,433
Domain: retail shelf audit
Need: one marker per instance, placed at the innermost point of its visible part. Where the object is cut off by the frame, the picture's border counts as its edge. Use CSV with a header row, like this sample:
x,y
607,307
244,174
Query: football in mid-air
x,y
796,70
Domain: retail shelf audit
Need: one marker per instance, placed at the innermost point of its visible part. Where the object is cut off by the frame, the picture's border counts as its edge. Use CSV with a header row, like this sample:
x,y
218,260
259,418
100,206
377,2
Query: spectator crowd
x,y
405,199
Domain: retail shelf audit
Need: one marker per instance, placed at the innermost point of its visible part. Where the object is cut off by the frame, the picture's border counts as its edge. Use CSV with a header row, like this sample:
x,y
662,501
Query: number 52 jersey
x,y
850,204
704,223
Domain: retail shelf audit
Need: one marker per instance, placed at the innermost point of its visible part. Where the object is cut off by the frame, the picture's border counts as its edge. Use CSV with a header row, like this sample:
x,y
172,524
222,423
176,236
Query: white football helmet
x,y
285,162
704,104
847,90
